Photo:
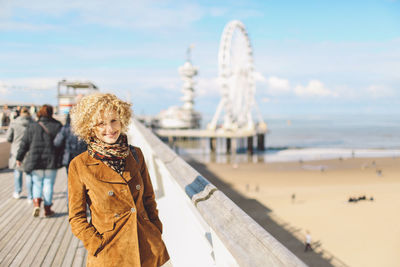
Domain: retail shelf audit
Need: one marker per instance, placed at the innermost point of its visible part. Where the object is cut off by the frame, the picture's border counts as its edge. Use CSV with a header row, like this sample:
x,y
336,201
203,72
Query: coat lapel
x,y
131,168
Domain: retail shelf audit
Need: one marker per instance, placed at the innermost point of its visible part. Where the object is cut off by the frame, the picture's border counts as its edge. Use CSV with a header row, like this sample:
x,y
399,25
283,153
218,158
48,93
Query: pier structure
x,y
184,117
68,93
252,138
237,104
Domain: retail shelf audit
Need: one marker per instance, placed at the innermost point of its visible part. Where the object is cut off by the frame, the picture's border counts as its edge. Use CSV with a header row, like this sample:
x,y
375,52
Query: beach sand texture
x,y
365,233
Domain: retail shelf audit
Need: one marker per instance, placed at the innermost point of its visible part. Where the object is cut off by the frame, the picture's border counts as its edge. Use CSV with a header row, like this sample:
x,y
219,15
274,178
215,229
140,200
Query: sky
x,y
310,57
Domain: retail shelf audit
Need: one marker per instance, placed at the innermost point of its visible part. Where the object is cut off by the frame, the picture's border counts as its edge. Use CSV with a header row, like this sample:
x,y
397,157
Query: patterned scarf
x,y
114,155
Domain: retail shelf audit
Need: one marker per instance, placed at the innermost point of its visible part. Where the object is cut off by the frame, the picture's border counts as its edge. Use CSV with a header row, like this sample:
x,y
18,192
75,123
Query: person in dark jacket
x,y
73,146
14,135
43,158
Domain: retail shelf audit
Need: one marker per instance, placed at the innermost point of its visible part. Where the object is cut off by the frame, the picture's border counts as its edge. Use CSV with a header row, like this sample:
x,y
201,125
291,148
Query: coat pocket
x,y
106,229
150,222
106,225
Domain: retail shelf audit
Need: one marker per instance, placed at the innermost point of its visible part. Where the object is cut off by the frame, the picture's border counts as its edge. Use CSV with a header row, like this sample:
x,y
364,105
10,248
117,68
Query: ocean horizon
x,y
315,137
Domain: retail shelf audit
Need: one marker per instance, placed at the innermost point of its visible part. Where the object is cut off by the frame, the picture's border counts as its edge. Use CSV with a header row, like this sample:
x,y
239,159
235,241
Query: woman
x,y
111,178
43,158
14,136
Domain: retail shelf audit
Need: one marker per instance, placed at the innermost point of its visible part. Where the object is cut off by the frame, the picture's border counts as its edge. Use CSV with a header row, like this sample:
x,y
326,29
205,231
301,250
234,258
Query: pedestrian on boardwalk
x,y
43,158
308,242
5,116
16,113
73,146
14,135
111,178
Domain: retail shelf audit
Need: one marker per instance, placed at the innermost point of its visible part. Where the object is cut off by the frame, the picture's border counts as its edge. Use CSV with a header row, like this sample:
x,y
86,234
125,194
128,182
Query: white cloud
x,y
277,85
258,77
28,84
4,90
21,26
314,88
380,91
142,15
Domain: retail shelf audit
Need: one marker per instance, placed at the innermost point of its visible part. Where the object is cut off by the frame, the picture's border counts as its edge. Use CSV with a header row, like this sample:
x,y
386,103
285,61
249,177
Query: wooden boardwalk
x,y
29,241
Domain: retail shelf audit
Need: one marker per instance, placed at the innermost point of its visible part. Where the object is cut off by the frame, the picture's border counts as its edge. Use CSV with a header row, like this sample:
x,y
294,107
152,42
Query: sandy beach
x,y
289,198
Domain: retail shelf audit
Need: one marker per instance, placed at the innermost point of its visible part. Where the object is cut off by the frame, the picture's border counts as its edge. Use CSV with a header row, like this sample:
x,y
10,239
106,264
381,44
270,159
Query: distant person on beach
x,y
112,180
14,135
307,242
43,158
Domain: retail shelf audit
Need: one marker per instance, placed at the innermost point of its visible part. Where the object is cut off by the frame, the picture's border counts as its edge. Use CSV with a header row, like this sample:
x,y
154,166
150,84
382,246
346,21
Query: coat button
x,y
116,215
133,209
110,193
138,187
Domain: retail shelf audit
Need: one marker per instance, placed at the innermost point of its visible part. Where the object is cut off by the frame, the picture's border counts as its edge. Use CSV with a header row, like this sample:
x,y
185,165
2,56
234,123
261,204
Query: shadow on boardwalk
x,y
29,241
288,235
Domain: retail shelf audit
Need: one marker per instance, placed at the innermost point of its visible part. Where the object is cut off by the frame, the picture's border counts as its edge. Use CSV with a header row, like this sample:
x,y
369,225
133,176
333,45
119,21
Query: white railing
x,y
202,226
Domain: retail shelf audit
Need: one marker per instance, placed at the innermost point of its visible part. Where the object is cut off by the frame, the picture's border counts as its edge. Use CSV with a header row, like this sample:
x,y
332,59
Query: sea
x,y
313,137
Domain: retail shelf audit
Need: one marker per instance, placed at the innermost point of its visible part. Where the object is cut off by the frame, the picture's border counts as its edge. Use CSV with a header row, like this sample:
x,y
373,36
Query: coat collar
x,y
104,173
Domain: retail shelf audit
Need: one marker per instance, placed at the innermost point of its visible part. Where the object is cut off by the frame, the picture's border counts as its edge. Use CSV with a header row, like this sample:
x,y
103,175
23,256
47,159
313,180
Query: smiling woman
x,y
111,178
109,128
98,113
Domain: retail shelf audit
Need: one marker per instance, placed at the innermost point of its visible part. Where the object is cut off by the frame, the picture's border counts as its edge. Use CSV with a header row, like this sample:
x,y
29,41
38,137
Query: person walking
x,y
112,180
5,116
14,136
73,146
43,158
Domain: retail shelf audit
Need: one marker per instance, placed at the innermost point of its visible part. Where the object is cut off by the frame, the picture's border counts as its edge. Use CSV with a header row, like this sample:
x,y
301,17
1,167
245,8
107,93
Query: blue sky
x,y
311,57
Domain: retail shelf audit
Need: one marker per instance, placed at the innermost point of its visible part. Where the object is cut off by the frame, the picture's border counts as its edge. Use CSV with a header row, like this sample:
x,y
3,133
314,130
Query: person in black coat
x,y
43,158
73,146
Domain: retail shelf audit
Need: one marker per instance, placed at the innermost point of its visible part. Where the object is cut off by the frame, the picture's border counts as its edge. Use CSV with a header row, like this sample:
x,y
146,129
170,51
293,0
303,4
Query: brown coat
x,y
125,229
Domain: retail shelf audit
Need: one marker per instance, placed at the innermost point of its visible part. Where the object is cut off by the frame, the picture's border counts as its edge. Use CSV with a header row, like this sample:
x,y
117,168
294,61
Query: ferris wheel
x,y
236,78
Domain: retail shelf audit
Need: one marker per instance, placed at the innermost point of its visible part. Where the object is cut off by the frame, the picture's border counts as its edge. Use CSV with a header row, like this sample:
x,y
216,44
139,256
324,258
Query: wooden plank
x,y
57,242
7,200
69,256
33,242
8,219
50,236
30,250
13,231
80,256
7,186
26,241
30,228
65,243
35,256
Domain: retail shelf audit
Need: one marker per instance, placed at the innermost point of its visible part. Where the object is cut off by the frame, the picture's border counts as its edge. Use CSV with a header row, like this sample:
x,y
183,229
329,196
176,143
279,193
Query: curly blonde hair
x,y
88,112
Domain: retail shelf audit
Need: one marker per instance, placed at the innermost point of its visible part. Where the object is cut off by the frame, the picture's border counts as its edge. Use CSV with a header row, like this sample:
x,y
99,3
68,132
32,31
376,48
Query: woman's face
x,y
108,128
